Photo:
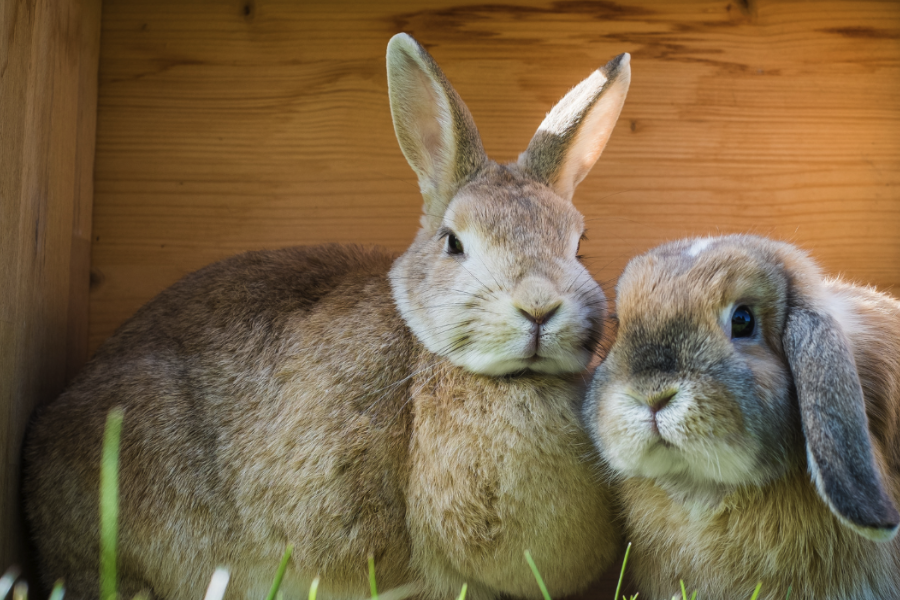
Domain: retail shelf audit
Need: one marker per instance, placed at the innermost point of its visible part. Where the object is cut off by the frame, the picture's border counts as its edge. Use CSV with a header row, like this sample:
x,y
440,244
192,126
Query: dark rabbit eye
x,y
742,322
454,246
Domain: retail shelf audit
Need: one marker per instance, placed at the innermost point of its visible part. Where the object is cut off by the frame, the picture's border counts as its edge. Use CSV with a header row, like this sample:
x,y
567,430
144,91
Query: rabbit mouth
x,y
661,441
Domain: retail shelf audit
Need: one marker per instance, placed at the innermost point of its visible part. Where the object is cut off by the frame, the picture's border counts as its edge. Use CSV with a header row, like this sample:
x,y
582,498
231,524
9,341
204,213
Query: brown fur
x,y
352,404
719,523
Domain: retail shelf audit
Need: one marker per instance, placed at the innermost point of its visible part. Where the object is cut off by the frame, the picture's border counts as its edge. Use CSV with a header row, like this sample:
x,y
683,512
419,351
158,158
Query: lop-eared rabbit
x,y
422,410
751,407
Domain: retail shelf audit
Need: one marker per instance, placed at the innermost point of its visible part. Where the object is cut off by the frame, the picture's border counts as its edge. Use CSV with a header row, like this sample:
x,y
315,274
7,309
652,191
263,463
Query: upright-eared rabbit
x,y
423,410
752,409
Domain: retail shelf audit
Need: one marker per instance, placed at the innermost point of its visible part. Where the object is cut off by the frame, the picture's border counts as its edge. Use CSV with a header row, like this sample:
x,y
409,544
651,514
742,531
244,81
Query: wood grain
x,y
48,93
227,126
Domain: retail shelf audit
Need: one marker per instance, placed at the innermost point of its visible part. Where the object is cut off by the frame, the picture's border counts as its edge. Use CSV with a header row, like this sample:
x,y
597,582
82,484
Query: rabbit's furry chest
x,y
781,534
498,466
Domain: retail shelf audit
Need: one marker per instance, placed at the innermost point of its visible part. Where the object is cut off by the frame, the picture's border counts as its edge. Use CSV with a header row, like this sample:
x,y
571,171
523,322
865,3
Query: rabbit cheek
x,y
775,416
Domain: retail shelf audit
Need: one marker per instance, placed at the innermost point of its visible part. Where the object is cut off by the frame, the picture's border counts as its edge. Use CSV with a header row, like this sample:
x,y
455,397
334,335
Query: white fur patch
x,y
698,247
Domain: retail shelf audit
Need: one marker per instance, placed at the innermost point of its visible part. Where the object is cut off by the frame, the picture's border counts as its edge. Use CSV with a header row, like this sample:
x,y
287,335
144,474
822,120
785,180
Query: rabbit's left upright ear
x,y
835,426
575,131
433,125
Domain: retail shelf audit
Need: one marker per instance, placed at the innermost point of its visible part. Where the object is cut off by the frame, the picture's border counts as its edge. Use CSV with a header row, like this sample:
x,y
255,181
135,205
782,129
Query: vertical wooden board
x,y
41,43
78,316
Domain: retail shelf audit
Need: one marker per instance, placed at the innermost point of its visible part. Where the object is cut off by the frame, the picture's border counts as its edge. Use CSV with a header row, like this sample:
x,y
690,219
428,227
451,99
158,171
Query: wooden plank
x,y
44,45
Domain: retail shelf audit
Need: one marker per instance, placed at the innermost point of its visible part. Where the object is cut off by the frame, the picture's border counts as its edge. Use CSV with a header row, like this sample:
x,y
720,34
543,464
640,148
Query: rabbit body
x,y
271,399
423,410
771,457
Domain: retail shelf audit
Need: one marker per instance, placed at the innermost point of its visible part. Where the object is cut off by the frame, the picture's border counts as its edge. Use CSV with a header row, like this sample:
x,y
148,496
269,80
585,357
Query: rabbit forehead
x,y
695,280
521,214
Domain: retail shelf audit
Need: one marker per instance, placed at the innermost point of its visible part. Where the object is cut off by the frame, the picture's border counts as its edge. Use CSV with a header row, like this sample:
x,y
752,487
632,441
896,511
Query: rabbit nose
x,y
536,299
657,402
539,316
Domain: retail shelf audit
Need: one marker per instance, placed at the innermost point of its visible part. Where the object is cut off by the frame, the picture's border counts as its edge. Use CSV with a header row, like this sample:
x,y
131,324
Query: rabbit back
x,y
254,418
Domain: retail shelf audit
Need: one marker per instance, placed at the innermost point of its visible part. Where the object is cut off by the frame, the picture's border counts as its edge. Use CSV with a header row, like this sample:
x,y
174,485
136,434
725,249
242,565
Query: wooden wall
x,y
48,94
229,125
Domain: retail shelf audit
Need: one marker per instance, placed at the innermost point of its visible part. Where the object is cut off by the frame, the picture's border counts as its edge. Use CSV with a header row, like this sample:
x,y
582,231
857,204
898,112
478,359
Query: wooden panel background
x,y
233,125
230,125
48,97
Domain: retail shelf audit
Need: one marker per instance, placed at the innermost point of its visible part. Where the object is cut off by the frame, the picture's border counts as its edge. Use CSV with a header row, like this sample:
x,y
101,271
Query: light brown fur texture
x,y
772,458
423,410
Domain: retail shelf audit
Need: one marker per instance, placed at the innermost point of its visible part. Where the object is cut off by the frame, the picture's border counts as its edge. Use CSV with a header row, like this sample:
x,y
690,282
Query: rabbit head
x,y
493,280
730,367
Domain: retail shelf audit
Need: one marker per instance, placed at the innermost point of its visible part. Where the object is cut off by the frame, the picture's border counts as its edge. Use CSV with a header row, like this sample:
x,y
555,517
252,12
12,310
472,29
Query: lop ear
x,y
433,125
832,409
575,132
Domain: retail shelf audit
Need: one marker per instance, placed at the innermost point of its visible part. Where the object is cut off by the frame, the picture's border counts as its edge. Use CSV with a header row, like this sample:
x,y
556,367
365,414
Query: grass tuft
x,y
109,516
537,575
372,587
20,591
462,592
622,572
58,591
273,592
217,584
7,581
109,503
756,591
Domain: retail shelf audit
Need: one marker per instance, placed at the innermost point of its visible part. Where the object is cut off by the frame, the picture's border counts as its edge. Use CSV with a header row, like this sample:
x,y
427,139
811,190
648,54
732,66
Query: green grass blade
x,y
694,595
537,575
314,589
280,574
622,572
58,591
756,591
788,597
372,587
683,592
109,504
462,592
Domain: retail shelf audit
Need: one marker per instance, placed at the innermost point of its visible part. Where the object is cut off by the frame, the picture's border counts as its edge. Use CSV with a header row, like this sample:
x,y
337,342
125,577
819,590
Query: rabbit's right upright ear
x,y
436,132
575,131
833,413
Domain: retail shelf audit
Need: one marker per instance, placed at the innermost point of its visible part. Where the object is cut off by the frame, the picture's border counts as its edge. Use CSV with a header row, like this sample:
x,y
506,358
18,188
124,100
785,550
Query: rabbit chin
x,y
494,364
698,476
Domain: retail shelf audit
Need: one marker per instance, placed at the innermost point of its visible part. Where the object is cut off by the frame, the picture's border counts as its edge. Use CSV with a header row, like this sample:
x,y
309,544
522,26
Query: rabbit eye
x,y
742,322
454,246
